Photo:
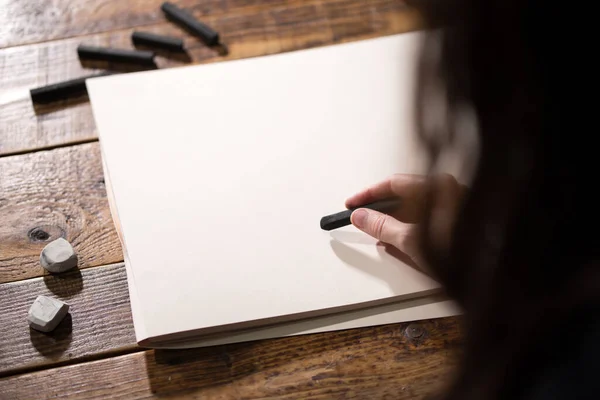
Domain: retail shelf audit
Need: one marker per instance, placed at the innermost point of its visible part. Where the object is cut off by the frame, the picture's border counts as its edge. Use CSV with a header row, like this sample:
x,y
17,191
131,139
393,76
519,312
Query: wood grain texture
x,y
388,362
248,28
99,324
30,21
51,194
99,319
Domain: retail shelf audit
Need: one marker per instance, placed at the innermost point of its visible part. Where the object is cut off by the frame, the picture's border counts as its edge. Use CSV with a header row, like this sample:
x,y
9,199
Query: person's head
x,y
521,257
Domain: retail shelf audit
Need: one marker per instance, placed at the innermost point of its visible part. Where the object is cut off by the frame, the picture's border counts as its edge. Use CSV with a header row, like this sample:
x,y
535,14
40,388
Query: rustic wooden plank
x,y
394,361
100,324
248,32
99,320
51,194
30,21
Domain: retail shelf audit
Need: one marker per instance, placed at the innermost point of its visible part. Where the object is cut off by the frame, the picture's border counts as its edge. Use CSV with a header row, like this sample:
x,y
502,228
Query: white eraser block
x,y
46,313
58,256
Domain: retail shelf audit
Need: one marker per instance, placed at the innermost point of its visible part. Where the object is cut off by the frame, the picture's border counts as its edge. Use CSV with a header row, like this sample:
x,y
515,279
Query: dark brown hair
x,y
523,262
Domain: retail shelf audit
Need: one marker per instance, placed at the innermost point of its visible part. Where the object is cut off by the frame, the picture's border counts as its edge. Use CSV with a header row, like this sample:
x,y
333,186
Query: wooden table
x,y
51,185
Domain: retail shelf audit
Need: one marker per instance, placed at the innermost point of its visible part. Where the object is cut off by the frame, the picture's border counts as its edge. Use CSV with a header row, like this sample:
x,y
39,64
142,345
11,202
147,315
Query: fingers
x,y
378,225
410,188
390,231
398,229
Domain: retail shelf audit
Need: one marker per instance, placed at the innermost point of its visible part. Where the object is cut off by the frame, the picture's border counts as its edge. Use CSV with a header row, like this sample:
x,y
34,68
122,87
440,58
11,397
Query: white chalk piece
x,y
46,313
58,256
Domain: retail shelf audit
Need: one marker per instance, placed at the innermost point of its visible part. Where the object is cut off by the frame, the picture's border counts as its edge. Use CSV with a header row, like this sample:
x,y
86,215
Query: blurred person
x,y
518,248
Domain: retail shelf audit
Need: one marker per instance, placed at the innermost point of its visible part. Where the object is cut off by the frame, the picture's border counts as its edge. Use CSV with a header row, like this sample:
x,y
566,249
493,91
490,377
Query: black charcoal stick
x,y
187,20
159,41
116,55
342,218
62,90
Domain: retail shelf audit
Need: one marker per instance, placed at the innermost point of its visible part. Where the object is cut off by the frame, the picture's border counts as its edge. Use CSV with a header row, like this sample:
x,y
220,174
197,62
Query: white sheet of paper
x,y
220,173
409,310
428,307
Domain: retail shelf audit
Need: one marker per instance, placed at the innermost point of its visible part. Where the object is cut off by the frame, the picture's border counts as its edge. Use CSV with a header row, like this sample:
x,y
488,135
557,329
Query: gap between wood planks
x,y
80,360
48,148
99,323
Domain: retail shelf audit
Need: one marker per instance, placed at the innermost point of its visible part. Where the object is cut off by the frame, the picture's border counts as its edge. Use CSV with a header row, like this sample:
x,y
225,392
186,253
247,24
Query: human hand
x,y
400,228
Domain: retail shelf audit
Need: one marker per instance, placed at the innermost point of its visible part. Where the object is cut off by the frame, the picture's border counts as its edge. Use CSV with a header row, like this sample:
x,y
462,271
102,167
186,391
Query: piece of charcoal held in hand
x,y
46,313
58,256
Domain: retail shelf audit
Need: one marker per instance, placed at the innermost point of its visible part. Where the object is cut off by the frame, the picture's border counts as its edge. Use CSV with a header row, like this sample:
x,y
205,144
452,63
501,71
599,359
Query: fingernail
x,y
359,218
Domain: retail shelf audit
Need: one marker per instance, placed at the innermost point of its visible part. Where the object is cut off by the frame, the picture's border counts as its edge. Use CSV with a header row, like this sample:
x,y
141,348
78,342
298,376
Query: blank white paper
x,y
220,173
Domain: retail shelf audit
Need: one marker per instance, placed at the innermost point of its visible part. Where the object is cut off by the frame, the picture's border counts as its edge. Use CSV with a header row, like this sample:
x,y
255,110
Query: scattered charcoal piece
x,y
141,57
187,20
158,41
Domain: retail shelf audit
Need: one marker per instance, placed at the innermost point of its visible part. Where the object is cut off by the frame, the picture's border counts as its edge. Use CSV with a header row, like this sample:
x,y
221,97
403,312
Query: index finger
x,y
410,188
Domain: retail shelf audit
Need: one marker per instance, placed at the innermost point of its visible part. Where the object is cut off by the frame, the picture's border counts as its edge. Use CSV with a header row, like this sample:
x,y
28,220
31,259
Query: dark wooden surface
x,y
50,194
51,185
99,319
381,362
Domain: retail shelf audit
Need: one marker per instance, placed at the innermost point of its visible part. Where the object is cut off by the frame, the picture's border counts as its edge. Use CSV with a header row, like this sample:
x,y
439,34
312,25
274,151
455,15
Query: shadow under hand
x,y
399,255
66,284
352,237
363,262
375,266
53,344
361,238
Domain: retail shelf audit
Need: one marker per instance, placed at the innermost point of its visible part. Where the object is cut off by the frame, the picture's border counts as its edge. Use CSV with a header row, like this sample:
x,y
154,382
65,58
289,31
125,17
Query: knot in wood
x,y
414,331
38,235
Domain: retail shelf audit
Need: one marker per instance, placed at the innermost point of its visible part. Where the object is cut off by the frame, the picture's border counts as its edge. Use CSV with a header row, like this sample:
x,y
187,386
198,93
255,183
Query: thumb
x,y
381,226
